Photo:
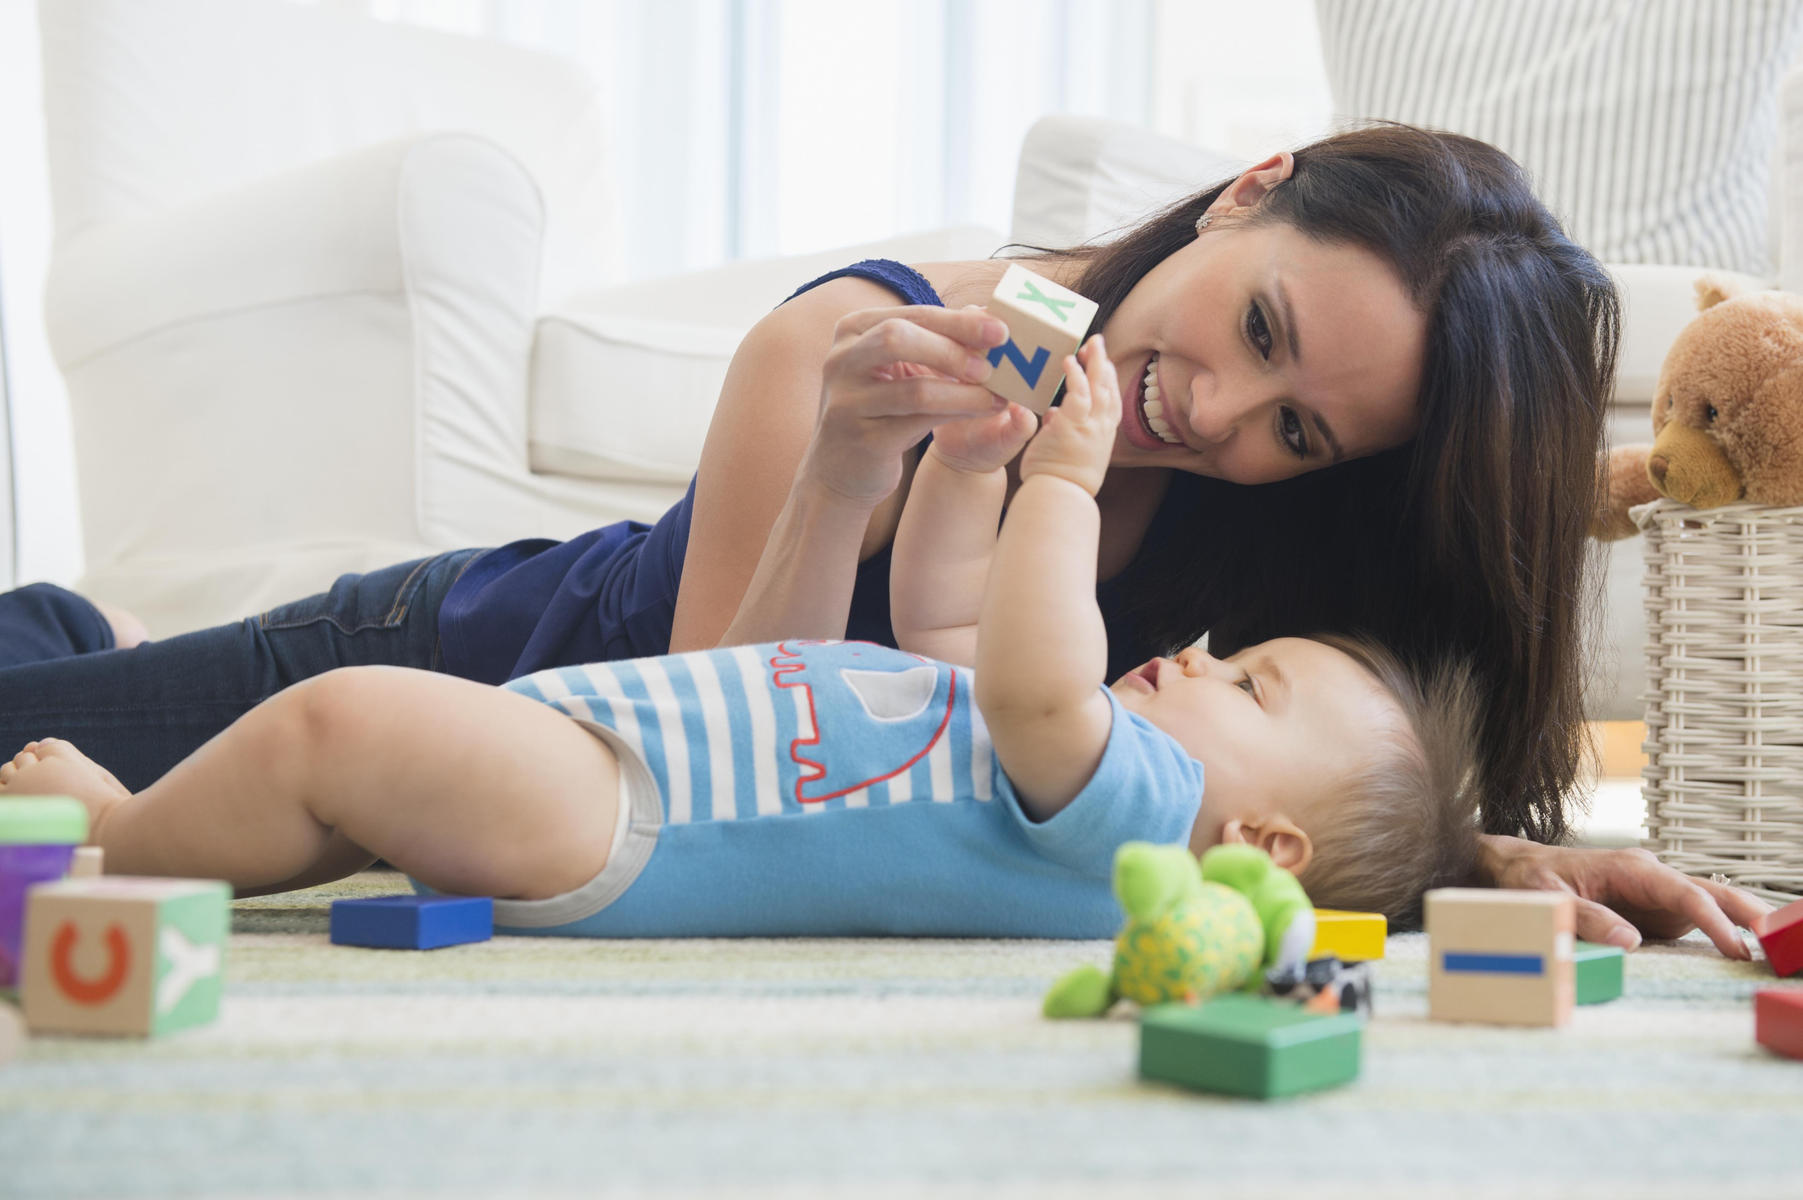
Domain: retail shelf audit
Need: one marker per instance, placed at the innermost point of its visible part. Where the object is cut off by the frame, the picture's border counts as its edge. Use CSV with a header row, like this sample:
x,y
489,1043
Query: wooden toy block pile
x,y
1495,956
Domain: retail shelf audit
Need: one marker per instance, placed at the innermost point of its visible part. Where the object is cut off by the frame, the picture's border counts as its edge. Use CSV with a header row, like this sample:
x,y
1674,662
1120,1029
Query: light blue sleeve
x,y
1146,788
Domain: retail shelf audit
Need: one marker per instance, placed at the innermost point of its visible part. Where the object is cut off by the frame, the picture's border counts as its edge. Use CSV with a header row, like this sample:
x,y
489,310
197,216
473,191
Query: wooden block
x,y
88,863
1781,935
1597,972
1349,936
124,955
413,922
1500,956
1778,1020
1045,323
12,1032
1247,1045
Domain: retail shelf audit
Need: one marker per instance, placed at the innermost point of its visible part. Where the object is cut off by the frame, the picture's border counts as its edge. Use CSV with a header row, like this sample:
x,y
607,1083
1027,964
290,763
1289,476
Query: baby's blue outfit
x,y
842,788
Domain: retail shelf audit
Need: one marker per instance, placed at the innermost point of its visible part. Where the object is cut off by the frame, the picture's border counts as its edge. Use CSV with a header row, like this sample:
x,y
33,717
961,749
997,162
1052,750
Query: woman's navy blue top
x,y
611,593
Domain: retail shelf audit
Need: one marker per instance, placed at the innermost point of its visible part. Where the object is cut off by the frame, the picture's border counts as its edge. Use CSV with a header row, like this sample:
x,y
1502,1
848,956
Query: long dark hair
x,y
1468,541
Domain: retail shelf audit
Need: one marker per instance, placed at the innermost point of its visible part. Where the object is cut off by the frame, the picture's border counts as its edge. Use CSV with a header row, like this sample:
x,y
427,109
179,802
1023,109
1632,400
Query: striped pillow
x,y
1648,127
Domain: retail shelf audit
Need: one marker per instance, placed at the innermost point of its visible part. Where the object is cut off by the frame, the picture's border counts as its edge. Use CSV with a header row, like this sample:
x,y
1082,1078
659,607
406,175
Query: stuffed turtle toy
x,y
1194,929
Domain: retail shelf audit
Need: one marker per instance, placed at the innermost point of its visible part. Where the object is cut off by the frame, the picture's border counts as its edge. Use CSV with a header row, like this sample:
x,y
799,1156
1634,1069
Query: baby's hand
x,y
1076,439
983,444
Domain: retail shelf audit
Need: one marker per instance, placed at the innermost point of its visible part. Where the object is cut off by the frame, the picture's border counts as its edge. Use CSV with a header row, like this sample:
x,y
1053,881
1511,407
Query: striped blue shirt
x,y
818,788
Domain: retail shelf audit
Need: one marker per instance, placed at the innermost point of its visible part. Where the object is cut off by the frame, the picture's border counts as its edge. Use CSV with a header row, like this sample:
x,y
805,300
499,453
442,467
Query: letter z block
x,y
1045,323
413,922
1349,936
1247,1045
1781,935
1498,955
124,955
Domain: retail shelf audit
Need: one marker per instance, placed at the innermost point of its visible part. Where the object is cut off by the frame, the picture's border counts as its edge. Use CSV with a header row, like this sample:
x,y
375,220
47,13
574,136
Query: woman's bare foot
x,y
54,767
128,631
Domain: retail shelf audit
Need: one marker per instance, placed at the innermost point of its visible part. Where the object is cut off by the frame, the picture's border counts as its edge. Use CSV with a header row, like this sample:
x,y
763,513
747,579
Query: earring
x,y
1203,223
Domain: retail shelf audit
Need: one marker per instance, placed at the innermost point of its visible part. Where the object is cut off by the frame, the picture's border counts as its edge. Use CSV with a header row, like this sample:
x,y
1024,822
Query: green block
x,y
1598,970
1247,1045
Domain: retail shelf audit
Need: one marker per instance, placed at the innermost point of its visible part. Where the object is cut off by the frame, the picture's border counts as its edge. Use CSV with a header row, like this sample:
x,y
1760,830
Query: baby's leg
x,y
471,789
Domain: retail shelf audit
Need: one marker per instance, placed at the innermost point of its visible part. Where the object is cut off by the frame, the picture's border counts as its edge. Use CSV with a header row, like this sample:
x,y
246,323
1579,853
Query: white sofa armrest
x,y
341,349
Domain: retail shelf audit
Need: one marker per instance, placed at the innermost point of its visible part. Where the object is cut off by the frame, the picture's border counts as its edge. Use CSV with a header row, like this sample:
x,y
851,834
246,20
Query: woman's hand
x,y
1622,894
893,375
1076,439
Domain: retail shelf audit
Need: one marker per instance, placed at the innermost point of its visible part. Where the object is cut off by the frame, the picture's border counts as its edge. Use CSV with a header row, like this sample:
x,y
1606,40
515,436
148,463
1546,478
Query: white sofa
x,y
362,311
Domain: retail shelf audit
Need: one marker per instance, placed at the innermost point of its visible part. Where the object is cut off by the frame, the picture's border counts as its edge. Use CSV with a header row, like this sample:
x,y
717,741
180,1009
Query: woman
x,y
1390,304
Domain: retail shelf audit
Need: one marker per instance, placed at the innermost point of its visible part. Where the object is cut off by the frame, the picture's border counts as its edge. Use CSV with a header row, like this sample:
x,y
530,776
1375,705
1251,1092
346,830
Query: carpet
x,y
873,1068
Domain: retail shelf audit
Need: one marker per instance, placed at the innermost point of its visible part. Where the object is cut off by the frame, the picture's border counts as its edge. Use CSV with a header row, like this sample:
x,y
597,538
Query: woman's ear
x,y
1286,842
1254,184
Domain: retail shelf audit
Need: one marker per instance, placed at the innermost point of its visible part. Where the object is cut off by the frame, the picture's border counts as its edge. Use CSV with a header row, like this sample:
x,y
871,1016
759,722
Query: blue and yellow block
x,y
411,922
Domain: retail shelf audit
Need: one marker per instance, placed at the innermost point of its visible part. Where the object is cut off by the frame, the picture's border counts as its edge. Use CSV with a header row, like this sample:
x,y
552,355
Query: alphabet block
x,y
124,955
12,1032
1045,323
1781,934
1778,1020
1349,936
412,922
1500,956
1247,1045
89,863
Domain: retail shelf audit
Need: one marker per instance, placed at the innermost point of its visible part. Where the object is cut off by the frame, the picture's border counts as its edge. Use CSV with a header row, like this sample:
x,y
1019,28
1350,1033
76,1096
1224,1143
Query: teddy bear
x,y
1727,415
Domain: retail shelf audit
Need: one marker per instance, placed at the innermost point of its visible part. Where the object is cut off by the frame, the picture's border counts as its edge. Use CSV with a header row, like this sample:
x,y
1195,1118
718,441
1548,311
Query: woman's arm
x,y
1622,894
805,452
946,539
1042,649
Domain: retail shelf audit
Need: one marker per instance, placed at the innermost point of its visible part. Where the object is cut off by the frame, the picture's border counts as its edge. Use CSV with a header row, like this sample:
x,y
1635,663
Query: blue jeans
x,y
138,712
43,621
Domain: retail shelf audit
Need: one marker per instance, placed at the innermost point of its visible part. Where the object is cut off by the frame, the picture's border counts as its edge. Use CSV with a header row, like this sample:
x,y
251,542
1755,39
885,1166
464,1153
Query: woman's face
x,y
1256,353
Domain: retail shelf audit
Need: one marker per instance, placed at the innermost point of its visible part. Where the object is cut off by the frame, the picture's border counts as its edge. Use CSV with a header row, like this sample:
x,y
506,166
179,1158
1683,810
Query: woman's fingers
x,y
1603,925
953,342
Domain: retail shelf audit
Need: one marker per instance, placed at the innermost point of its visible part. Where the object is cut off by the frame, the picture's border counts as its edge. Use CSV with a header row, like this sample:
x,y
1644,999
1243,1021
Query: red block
x,y
1781,933
1778,1020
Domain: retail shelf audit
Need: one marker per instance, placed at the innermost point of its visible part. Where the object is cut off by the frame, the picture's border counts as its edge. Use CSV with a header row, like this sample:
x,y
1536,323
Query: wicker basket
x,y
1724,709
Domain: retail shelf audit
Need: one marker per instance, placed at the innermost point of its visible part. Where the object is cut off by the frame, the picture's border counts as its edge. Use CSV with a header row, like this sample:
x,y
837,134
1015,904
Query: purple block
x,y
20,867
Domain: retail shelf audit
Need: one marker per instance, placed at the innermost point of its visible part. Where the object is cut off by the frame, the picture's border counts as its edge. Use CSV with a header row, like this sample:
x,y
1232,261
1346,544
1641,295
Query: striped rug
x,y
873,1068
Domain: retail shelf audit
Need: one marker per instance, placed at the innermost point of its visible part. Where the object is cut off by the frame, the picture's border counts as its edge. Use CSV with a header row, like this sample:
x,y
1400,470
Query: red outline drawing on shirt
x,y
786,663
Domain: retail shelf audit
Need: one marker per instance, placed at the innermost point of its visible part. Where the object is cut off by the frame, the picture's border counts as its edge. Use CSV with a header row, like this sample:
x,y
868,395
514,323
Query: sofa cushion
x,y
1648,127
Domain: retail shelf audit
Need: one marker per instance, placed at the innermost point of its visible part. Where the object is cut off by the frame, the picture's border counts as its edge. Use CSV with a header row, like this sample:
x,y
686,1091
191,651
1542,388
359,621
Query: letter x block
x,y
1498,955
1781,935
122,954
1045,323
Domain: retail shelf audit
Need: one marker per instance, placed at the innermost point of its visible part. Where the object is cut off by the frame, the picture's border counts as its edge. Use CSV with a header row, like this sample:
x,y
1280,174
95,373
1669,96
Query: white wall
x,y
925,101
43,457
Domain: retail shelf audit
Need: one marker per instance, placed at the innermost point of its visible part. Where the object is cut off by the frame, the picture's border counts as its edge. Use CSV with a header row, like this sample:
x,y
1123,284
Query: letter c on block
x,y
90,991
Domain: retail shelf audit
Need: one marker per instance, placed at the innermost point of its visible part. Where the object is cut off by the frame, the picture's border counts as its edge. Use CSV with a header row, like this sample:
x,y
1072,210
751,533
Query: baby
x,y
822,788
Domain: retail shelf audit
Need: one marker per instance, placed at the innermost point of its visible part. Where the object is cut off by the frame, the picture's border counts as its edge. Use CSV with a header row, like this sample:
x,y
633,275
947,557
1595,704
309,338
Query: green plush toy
x,y
1194,929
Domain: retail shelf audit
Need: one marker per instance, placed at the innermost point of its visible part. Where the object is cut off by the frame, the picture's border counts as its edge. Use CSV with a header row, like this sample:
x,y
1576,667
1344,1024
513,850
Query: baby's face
x,y
1276,727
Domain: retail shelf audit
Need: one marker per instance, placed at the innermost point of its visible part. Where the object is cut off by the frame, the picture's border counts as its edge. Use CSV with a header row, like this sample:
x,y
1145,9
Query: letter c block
x,y
123,955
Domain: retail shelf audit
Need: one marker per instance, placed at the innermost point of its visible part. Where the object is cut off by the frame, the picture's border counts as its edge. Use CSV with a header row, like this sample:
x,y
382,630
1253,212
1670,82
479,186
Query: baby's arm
x,y
940,560
1042,649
